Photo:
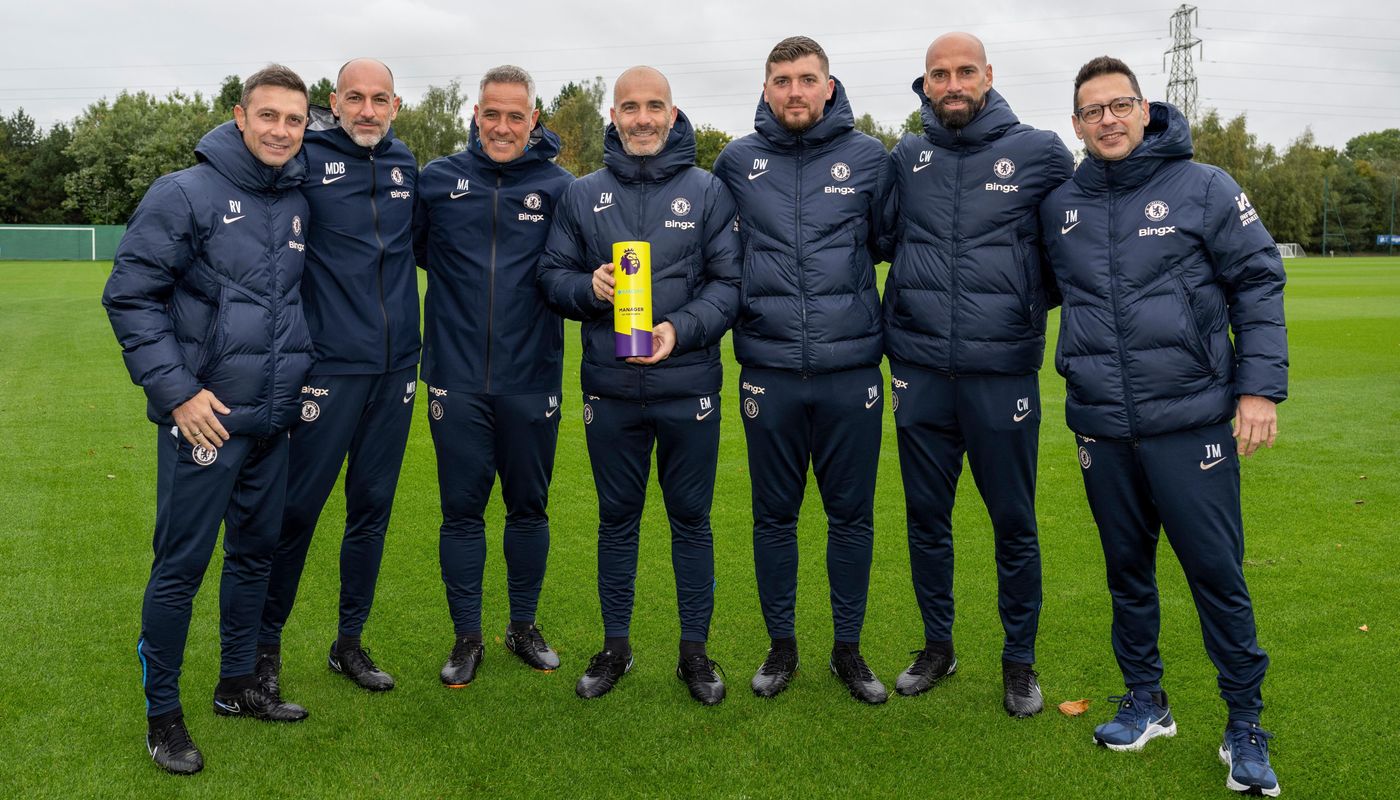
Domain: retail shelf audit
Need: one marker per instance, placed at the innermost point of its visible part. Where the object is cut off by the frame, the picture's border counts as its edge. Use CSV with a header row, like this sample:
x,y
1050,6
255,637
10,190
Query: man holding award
x,y
653,313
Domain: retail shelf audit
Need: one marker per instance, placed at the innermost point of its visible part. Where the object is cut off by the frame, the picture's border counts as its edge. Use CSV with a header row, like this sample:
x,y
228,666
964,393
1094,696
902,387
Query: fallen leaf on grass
x,y
1073,708
128,447
1363,477
109,477
1359,502
1365,629
498,640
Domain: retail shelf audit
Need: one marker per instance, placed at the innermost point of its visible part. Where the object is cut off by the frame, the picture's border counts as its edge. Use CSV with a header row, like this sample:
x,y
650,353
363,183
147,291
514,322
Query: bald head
x,y
644,77
364,100
957,78
642,110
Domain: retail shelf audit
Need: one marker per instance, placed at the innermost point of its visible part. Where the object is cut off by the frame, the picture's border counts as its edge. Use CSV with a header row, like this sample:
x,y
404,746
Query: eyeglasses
x,y
1120,106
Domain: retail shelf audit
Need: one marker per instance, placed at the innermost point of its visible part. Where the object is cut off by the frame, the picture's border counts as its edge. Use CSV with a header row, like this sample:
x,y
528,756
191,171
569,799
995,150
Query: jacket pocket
x,y
210,346
1195,340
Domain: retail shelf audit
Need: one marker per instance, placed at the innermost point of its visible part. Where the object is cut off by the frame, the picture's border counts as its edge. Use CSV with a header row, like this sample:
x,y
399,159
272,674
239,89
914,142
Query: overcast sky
x,y
1287,64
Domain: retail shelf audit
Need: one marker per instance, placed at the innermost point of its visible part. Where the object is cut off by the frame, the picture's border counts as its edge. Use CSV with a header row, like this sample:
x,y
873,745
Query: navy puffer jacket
x,y
810,209
205,288
965,294
479,232
688,217
1159,259
360,287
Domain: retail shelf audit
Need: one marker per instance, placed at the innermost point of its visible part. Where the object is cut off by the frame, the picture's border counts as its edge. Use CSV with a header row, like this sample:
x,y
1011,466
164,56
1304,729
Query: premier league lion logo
x,y
630,263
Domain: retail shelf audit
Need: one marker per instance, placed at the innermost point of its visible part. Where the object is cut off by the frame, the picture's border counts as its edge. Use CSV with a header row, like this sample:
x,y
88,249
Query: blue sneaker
x,y
1246,752
1141,717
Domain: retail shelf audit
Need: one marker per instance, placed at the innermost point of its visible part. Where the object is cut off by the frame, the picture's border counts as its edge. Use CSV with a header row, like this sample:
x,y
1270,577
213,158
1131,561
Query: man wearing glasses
x,y
1159,259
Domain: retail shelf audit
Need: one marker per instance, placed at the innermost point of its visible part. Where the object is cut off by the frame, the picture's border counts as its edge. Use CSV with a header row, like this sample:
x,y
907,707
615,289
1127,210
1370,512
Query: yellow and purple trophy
x,y
632,299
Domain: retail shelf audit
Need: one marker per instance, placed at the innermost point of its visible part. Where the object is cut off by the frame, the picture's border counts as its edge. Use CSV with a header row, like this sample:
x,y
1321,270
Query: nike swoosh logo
x,y
550,412
871,402
1067,229
1204,465
228,219
753,175
329,179
408,398
232,708
923,166
1019,417
455,195
596,209
699,416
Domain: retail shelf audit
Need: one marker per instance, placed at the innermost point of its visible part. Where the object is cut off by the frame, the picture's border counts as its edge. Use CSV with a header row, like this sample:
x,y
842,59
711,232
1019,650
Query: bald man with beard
x,y
650,190
361,297
964,308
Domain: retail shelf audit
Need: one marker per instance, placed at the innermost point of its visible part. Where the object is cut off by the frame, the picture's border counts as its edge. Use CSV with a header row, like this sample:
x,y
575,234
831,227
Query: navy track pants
x,y
478,437
995,421
366,417
1188,484
685,433
243,485
833,423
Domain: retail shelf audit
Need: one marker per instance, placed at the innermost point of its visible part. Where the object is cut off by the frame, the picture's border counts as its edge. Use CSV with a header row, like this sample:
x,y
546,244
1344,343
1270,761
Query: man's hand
x,y
1256,423
198,421
603,283
663,341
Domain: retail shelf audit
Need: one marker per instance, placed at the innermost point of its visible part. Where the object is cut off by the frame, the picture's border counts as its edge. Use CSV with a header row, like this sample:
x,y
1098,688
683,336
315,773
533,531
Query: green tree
x,y
230,92
436,125
1230,146
320,92
1375,146
709,141
575,115
121,146
867,124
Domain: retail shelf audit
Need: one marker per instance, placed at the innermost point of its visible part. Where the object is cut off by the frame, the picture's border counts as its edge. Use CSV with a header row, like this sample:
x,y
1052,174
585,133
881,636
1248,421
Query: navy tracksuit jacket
x,y
809,340
688,217
1159,259
493,360
964,311
361,295
205,294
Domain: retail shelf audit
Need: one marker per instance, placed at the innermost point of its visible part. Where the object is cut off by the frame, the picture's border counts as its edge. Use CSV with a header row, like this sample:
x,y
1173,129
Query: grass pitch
x,y
75,535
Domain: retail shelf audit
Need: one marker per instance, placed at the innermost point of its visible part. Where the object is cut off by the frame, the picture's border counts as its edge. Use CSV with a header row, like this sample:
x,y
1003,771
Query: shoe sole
x,y
222,712
951,669
1152,732
1235,786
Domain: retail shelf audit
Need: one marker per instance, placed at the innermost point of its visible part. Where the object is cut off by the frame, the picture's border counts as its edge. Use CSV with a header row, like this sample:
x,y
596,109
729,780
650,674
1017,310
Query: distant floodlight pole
x,y
1181,87
1393,180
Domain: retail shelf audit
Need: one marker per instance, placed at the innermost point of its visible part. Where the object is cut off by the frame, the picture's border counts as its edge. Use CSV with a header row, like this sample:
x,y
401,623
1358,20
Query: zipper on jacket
x,y
801,272
1118,324
953,269
374,207
272,308
491,278
641,222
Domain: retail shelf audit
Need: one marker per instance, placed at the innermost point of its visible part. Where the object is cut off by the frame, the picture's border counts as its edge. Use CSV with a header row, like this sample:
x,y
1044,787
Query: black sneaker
x,y
172,748
268,670
530,647
604,671
930,666
777,672
851,669
461,666
357,666
1022,698
255,703
698,674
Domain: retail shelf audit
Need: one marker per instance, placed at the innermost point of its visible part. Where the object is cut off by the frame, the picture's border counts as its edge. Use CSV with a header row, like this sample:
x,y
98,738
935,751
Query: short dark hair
x,y
793,48
1103,65
273,75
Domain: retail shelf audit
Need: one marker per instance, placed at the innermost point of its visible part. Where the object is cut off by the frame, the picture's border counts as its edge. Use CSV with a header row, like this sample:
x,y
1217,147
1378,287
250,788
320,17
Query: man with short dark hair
x,y
204,299
1160,260
361,294
650,190
494,355
964,310
810,189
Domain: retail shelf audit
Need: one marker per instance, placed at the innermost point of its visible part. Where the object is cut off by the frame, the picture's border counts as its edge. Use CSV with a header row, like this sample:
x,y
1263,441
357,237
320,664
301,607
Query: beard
x,y
957,118
364,138
645,151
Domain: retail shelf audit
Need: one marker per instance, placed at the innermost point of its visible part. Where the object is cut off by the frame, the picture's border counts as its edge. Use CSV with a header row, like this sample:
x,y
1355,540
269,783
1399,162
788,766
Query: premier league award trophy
x,y
632,301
